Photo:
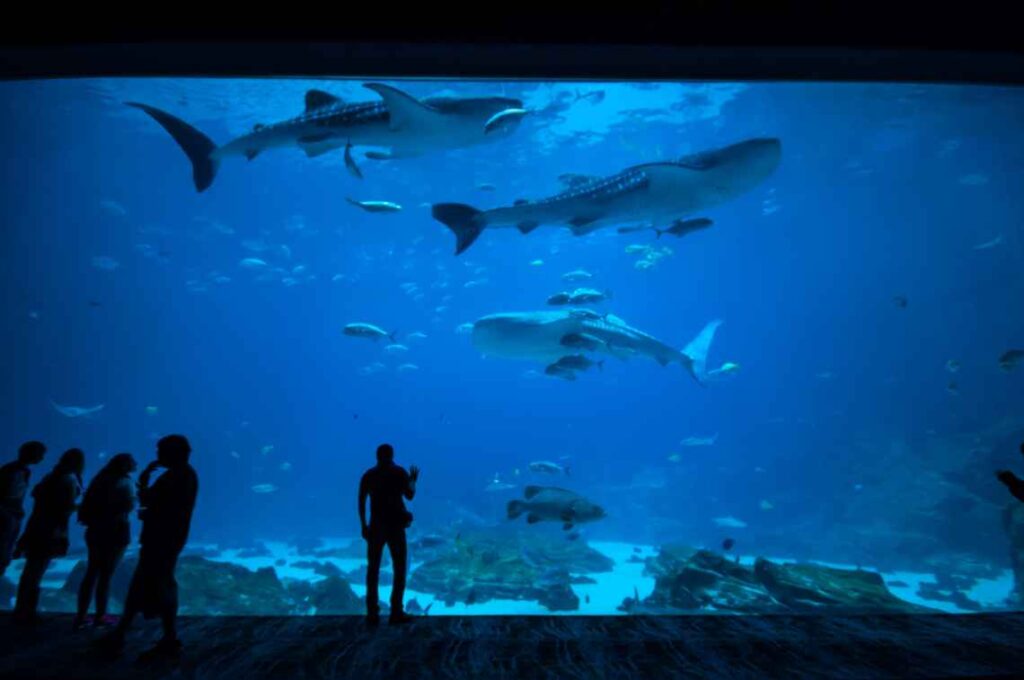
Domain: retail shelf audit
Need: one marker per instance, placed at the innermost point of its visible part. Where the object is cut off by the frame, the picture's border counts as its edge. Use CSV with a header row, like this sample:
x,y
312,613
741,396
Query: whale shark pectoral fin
x,y
405,112
317,149
527,227
581,225
316,99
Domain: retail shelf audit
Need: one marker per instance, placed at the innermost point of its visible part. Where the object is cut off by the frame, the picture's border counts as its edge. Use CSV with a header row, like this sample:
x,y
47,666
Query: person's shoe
x,y
106,620
398,618
165,648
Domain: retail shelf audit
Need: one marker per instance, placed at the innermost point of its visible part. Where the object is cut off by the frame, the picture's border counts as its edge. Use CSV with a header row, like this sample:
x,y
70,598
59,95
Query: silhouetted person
x,y
46,532
1014,483
166,514
104,511
14,482
386,484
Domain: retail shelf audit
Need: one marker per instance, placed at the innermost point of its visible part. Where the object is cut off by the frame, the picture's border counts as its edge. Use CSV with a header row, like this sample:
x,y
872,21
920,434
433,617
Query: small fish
x,y
416,335
766,505
681,228
113,208
700,441
952,365
674,458
464,328
376,206
504,120
989,244
264,488
576,275
151,410
266,449
730,522
77,411
497,485
588,296
350,163
396,348
1010,359
252,263
974,180
285,466
366,330
406,368
900,301
637,249
105,263
548,468
824,375
593,96
578,362
370,369
727,544
953,388
557,371
299,270
537,263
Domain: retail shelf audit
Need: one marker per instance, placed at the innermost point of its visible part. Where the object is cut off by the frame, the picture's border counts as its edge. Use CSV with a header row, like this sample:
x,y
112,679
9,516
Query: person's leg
x,y
10,526
399,556
374,552
169,607
29,585
88,581
111,558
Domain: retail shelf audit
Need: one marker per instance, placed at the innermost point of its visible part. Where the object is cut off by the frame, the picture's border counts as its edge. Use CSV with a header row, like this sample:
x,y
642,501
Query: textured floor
x,y
924,646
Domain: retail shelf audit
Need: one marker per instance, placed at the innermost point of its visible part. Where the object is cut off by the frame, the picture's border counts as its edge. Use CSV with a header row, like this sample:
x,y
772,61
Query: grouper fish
x,y
540,336
657,193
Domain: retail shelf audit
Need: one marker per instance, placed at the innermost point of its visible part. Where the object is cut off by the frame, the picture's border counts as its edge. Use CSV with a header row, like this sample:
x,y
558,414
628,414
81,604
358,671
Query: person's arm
x,y
410,487
142,489
124,501
1012,482
363,493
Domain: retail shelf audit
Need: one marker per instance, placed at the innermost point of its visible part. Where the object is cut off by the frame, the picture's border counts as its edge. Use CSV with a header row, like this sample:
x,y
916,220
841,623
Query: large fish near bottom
x,y
400,122
659,193
548,336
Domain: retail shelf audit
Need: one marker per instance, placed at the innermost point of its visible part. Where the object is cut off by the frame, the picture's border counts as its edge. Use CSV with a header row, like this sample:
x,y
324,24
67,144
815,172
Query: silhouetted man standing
x,y
14,482
166,513
386,484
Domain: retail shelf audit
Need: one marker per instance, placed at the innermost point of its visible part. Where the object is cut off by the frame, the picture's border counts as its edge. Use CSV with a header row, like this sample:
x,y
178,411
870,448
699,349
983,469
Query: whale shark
x,y
658,193
405,125
541,336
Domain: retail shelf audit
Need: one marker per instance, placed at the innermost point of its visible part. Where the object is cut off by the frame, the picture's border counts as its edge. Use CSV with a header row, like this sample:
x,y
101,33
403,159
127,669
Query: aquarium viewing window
x,y
658,346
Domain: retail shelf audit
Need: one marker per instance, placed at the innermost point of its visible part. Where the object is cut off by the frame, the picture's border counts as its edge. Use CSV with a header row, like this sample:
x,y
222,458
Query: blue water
x,y
839,417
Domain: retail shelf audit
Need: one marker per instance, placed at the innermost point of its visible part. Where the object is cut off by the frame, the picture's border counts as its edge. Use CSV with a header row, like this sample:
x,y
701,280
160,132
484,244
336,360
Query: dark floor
x,y
916,646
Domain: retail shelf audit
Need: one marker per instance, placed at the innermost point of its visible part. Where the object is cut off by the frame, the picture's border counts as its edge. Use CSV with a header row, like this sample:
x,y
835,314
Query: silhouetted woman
x,y
104,511
46,533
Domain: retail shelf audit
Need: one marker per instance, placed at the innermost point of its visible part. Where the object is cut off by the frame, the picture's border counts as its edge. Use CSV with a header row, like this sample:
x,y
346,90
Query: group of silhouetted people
x,y
165,509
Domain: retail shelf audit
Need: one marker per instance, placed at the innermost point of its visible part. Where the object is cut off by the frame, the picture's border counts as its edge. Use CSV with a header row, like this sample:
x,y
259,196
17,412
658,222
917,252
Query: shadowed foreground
x,y
931,645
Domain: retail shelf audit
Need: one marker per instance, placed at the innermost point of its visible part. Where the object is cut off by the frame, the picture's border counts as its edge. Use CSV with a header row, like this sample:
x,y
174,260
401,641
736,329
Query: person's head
x,y
173,450
31,453
73,461
121,465
385,454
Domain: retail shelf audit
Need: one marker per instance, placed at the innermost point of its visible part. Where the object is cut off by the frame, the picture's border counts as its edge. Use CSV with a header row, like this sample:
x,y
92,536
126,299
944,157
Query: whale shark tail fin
x,y
696,353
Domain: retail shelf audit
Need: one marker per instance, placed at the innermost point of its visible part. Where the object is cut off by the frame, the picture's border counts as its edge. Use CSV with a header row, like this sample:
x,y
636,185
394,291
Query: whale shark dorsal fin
x,y
316,99
404,111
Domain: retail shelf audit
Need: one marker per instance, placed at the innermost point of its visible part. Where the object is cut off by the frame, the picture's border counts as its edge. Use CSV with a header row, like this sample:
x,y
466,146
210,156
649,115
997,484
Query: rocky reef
x,y
479,566
691,580
221,588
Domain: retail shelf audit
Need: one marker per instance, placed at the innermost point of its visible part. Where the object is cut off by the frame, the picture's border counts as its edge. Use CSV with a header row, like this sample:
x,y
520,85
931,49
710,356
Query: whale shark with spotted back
x,y
548,336
405,125
659,193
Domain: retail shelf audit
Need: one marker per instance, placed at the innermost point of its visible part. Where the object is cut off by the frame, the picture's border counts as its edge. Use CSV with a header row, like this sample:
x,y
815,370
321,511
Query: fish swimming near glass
x,y
405,125
657,193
